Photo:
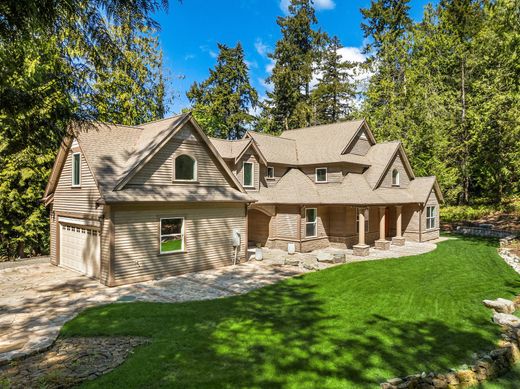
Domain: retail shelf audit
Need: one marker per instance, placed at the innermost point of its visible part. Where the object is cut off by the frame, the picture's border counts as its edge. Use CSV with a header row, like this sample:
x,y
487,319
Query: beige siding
x,y
411,221
404,178
106,248
334,173
159,170
279,172
286,221
52,226
239,171
208,244
359,146
434,232
80,200
258,227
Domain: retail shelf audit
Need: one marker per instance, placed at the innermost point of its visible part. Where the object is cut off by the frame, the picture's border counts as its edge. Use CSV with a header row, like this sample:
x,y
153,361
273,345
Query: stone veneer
x,y
490,365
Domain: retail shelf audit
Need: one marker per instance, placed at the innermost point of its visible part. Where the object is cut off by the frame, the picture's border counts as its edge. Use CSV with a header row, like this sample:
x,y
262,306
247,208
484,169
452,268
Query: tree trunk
x,y
465,154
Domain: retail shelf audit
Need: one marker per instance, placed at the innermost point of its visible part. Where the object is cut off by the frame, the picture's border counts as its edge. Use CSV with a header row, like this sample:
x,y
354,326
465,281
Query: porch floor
x,y
276,257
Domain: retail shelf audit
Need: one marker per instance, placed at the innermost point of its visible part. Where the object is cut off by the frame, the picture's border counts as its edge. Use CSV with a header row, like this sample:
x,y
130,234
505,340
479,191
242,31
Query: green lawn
x,y
349,326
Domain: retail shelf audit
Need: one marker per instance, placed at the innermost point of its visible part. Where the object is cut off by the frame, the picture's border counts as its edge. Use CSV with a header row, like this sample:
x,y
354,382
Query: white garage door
x,y
80,249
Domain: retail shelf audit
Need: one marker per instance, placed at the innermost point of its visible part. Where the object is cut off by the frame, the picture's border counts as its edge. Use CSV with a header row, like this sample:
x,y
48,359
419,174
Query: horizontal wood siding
x,y
334,173
279,172
208,239
404,178
258,227
359,146
434,232
52,226
238,171
77,200
287,221
105,248
159,170
322,219
411,219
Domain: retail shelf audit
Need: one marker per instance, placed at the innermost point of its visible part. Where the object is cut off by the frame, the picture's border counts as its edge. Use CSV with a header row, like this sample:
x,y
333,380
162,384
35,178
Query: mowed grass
x,y
350,326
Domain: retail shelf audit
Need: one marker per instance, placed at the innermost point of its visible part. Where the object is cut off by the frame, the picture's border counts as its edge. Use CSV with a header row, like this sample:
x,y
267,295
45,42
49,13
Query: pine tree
x,y
386,26
129,88
222,103
333,96
295,57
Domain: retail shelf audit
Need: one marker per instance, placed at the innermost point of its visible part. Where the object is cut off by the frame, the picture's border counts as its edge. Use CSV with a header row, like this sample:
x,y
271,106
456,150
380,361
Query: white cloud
x,y
189,56
261,47
319,5
270,66
251,64
213,54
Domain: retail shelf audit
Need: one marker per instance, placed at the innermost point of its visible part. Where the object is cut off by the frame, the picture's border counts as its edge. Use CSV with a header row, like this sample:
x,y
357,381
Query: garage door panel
x,y
80,249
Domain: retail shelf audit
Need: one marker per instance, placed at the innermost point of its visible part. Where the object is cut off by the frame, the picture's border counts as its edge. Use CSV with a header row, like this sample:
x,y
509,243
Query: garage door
x,y
80,248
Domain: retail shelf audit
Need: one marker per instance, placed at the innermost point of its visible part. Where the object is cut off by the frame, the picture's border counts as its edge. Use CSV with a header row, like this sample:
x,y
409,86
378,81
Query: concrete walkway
x,y
36,300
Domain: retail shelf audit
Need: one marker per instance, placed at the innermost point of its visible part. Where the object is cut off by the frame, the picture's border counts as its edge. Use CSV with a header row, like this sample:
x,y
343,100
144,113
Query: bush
x,y
460,213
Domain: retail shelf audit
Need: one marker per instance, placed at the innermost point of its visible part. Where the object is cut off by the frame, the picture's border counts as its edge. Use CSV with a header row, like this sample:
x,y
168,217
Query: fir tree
x,y
334,95
295,57
222,103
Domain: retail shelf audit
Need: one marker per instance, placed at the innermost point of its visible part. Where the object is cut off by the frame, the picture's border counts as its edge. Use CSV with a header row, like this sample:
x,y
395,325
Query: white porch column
x,y
398,240
382,243
361,248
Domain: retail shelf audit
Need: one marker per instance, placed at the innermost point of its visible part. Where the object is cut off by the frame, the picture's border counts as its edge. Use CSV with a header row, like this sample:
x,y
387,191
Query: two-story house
x,y
134,203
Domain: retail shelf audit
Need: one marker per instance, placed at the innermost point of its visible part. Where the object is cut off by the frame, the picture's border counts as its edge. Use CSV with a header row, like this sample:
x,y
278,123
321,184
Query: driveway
x,y
36,300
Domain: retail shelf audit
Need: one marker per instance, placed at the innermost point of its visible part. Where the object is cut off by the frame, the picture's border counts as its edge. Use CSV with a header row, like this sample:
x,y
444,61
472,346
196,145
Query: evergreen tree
x,y
222,103
129,88
335,92
386,26
295,57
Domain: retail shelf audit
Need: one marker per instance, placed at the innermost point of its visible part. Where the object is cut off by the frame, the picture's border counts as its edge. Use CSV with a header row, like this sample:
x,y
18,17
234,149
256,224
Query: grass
x,y
350,326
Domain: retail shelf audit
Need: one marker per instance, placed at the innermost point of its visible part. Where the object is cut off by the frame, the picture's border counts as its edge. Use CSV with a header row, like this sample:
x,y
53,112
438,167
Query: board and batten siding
x,y
81,200
208,239
159,170
404,177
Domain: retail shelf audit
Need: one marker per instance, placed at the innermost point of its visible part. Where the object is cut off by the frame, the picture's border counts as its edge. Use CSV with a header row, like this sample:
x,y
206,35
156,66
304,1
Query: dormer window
x,y
363,136
270,173
247,170
395,177
321,174
76,169
185,168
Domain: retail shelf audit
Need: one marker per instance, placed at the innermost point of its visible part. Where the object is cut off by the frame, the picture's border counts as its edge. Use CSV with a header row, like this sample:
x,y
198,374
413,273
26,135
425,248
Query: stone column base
x,y
398,241
361,250
382,244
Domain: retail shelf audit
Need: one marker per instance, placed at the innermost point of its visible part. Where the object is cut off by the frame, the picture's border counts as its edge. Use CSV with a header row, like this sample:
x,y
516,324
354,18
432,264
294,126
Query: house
x,y
135,203
331,185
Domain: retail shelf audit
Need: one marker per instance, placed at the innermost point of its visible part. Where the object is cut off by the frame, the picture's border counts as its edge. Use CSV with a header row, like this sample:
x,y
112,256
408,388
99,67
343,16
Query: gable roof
x,y
381,157
276,149
235,149
115,153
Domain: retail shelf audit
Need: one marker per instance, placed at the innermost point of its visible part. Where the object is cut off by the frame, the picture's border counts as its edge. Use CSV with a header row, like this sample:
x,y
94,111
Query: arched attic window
x,y
395,177
185,168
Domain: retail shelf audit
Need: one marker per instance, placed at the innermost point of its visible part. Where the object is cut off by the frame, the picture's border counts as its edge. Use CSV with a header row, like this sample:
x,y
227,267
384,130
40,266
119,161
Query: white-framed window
x,y
270,172
395,178
321,174
171,235
363,136
311,222
185,168
367,224
76,169
430,217
248,174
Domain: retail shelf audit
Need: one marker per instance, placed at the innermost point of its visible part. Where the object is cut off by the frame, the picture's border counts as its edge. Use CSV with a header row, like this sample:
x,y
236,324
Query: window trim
x,y
396,180
195,169
315,223
183,236
267,175
78,185
432,218
316,175
363,135
252,185
367,220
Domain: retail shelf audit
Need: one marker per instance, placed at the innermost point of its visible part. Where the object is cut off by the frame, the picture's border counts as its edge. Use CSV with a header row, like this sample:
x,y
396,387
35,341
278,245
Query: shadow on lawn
x,y
279,336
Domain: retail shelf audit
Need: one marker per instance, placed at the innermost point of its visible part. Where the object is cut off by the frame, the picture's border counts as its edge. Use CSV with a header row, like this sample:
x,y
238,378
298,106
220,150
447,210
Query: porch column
x,y
361,248
382,243
398,239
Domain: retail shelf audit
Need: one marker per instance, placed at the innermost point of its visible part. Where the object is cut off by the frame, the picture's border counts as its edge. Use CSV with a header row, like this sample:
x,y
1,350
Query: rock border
x,y
491,365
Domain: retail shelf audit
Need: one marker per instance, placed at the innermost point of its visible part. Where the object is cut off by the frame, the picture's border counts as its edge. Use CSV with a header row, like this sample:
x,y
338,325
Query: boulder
x,y
500,305
325,257
506,319
338,258
310,264
292,261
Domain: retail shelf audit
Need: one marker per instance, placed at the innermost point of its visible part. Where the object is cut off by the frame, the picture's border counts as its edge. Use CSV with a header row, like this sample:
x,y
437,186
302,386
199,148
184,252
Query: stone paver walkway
x,y
23,262
36,300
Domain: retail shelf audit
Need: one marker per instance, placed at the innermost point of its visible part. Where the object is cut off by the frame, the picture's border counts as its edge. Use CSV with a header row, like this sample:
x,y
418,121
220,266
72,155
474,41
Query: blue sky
x,y
190,31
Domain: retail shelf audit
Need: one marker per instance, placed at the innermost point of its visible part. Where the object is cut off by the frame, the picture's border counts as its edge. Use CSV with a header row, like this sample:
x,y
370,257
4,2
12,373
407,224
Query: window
x,y
76,169
395,177
363,136
172,235
248,174
185,168
367,213
311,222
321,174
270,172
430,217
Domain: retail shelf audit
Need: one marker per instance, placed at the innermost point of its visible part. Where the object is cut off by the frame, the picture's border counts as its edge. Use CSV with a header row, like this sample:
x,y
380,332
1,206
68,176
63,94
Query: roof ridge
x,y
118,125
160,120
227,140
324,125
271,135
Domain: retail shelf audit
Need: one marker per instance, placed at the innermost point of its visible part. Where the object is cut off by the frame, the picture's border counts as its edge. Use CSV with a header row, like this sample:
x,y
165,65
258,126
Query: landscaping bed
x,y
354,325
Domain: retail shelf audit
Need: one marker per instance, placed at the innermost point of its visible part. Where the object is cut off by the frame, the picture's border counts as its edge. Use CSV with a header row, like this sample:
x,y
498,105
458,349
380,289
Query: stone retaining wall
x,y
488,366
484,231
